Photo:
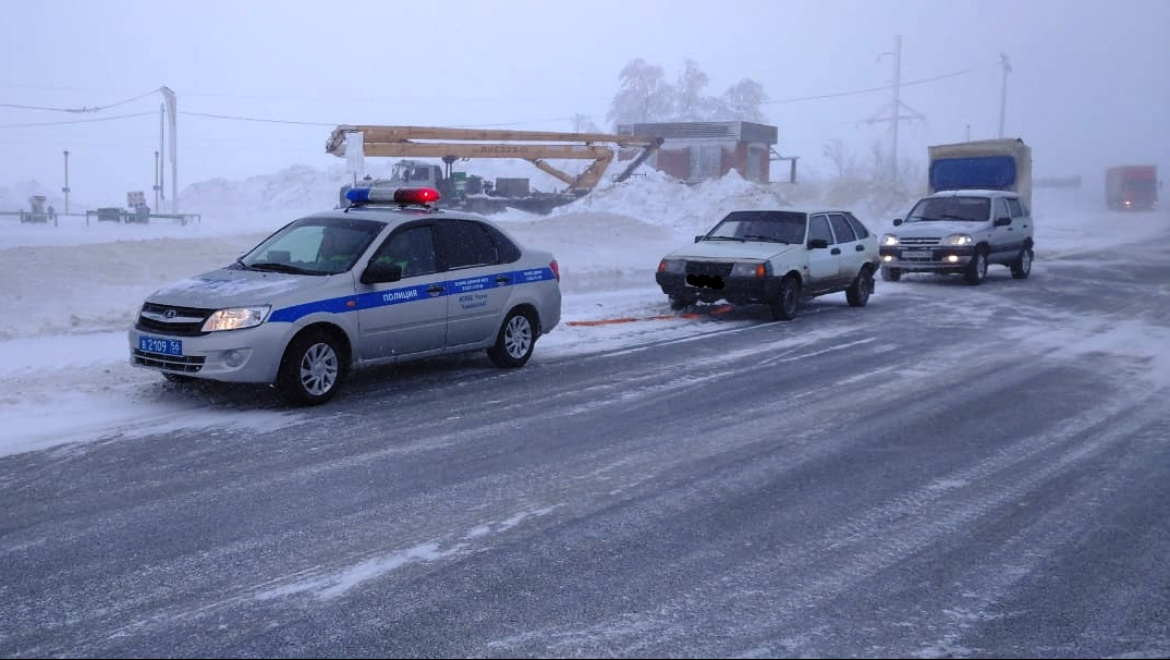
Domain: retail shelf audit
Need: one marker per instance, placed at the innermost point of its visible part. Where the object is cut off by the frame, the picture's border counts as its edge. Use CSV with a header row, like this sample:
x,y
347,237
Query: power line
x,y
81,109
870,90
255,119
76,121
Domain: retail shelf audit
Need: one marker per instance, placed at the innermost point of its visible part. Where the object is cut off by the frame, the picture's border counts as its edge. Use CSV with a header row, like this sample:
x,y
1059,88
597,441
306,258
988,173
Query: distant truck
x,y
1001,164
1132,188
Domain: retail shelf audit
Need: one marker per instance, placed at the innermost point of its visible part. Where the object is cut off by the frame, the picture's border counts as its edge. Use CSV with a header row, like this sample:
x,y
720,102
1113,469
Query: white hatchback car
x,y
379,281
776,258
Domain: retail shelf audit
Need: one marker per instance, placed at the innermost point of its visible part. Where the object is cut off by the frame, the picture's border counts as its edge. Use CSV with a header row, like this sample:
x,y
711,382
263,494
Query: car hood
x,y
939,228
732,250
225,287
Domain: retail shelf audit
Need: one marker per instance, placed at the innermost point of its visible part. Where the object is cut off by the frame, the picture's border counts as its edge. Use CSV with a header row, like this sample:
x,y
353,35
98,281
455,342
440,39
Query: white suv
x,y
776,258
961,231
344,288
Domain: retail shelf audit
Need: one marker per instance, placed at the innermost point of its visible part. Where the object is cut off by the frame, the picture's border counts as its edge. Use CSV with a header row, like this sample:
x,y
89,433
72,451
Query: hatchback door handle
x,y
835,251
859,248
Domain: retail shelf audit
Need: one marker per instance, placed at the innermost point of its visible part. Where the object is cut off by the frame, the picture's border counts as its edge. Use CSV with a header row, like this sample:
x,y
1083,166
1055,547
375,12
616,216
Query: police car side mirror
x,y
1003,222
818,244
380,273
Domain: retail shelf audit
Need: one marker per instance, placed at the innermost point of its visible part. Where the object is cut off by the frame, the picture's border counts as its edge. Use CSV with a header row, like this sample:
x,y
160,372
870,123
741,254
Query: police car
x,y
388,278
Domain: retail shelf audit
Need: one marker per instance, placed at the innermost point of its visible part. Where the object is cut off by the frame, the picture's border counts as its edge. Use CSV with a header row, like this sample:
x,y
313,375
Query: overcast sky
x,y
1089,87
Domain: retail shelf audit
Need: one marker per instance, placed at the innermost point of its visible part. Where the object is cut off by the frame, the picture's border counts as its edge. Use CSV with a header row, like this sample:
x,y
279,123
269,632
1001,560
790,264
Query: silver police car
x,y
391,277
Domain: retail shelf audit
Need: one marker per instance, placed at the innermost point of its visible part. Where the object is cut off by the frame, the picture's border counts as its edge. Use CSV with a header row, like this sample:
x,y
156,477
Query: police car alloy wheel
x,y
515,342
312,369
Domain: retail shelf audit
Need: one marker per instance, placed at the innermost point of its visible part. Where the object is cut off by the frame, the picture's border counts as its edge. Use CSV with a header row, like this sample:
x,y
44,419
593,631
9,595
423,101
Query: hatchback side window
x,y
858,226
468,244
1015,207
818,228
413,249
842,229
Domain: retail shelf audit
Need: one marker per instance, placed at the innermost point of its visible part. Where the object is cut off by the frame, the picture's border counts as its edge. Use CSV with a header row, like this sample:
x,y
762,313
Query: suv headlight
x,y
236,318
958,239
672,266
747,269
890,239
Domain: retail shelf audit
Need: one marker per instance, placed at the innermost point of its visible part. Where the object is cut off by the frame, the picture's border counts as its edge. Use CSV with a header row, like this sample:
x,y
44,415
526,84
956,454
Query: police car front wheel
x,y
312,369
515,342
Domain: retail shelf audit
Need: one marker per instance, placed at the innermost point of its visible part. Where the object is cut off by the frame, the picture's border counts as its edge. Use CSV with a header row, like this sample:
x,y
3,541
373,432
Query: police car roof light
x,y
416,195
357,195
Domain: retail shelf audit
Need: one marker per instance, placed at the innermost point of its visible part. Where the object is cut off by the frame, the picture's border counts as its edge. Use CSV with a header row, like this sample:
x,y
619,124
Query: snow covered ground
x,y
69,293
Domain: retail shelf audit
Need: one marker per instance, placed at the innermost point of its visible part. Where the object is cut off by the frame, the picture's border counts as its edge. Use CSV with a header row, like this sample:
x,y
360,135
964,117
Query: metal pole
x,y
162,151
156,176
1007,67
65,189
174,156
968,133
897,107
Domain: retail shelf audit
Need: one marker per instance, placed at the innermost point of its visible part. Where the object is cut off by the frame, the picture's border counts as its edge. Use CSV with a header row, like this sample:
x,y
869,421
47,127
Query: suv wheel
x,y
977,269
787,301
859,292
312,369
891,274
1022,266
515,342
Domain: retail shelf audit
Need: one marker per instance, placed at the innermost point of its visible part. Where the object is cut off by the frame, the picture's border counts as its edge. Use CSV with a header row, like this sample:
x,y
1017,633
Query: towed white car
x,y
776,258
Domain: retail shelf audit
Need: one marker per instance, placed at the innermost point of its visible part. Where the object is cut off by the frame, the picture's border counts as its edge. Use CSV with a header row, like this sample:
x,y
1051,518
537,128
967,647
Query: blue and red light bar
x,y
403,196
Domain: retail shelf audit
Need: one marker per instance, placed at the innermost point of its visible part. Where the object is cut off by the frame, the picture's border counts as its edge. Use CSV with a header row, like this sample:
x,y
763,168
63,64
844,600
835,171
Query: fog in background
x,y
1089,86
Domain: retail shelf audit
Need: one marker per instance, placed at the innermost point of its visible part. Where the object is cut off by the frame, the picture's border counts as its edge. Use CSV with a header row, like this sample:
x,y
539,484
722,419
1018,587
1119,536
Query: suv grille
x,y
170,320
928,240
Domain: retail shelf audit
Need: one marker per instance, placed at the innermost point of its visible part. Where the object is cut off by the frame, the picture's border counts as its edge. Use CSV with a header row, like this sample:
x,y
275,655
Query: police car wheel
x,y
311,370
515,342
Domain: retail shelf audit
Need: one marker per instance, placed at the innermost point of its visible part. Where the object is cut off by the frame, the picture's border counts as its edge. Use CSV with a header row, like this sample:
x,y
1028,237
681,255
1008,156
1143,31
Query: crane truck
x,y
473,193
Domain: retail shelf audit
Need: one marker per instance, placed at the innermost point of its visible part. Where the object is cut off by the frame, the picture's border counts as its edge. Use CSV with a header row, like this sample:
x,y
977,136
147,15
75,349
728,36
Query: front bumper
x,y
926,258
236,356
740,290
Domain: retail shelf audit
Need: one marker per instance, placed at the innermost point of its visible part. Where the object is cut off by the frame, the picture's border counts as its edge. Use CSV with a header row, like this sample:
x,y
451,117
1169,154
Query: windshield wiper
x,y
724,238
950,216
280,268
765,239
240,265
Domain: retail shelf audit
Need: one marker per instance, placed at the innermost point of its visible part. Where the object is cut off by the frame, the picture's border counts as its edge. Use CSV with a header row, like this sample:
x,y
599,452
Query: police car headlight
x,y
748,269
236,318
672,266
958,239
890,239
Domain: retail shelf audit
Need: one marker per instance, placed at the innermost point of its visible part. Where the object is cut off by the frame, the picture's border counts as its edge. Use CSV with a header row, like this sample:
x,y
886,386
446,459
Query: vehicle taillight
x,y
555,269
416,195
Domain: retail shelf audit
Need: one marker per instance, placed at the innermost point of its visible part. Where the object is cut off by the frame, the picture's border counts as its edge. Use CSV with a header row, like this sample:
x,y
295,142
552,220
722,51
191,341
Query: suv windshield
x,y
963,208
313,246
760,226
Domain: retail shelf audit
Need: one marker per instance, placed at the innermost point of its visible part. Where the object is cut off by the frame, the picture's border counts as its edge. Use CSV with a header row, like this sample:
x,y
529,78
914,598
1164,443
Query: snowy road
x,y
950,471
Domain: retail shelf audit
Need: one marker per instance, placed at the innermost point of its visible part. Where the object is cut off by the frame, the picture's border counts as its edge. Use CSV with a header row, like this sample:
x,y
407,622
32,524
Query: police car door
x,y
408,316
479,286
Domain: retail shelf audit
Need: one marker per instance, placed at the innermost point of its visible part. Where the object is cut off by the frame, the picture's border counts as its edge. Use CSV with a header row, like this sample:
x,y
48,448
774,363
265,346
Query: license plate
x,y
916,254
148,344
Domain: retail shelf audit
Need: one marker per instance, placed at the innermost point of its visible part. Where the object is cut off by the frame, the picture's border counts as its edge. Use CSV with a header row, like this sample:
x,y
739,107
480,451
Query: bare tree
x,y
644,96
690,104
743,101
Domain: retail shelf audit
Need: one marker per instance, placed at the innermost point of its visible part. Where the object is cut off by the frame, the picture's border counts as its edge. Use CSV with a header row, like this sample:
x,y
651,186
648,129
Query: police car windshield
x,y
314,246
760,226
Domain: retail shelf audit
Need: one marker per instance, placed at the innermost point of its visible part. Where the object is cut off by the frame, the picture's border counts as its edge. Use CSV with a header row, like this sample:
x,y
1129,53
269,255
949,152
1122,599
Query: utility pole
x,y
156,178
1007,68
968,133
896,115
65,188
160,167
